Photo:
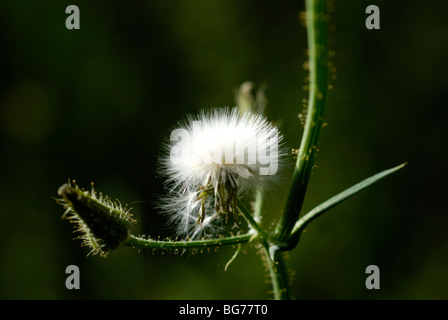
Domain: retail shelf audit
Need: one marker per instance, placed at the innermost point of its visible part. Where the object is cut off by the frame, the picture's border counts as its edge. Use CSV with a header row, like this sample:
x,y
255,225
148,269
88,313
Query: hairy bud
x,y
103,224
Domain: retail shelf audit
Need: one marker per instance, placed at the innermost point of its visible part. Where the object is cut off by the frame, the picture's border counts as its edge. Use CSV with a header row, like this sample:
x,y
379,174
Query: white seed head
x,y
212,159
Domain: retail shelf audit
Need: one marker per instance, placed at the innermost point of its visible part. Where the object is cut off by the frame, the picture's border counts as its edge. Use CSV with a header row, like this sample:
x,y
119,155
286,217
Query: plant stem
x,y
252,223
278,274
274,260
258,206
138,242
318,69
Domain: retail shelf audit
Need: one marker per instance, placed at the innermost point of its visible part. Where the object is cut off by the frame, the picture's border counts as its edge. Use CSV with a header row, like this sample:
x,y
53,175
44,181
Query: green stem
x,y
317,48
277,273
253,224
274,259
258,206
138,242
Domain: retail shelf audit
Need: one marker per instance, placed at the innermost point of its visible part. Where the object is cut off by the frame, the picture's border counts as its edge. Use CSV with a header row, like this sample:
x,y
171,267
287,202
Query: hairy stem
x,y
318,73
273,258
278,274
138,242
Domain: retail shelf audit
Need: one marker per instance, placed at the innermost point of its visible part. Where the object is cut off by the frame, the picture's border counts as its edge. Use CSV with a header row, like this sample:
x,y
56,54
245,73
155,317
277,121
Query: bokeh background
x,y
95,105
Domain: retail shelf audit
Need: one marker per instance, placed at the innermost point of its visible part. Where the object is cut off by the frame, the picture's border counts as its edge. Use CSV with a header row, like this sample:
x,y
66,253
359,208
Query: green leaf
x,y
330,203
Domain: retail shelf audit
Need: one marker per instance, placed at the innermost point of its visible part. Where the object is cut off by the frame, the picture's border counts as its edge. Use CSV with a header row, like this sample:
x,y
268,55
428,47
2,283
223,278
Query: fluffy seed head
x,y
211,159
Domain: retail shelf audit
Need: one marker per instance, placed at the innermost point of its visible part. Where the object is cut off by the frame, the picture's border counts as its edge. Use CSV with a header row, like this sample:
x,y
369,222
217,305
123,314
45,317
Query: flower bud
x,y
103,224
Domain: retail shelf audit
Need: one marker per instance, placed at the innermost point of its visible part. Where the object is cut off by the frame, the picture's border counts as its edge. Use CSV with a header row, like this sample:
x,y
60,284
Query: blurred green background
x,y
95,105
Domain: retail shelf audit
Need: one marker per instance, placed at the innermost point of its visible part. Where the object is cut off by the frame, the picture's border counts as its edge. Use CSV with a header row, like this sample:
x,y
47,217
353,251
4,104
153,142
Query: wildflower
x,y
212,159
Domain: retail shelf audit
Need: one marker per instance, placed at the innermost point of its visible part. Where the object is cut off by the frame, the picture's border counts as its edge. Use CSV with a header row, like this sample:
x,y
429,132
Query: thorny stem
x,y
318,73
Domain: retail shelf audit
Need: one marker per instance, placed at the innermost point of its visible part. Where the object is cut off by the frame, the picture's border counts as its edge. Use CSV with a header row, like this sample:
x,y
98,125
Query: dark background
x,y
95,105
